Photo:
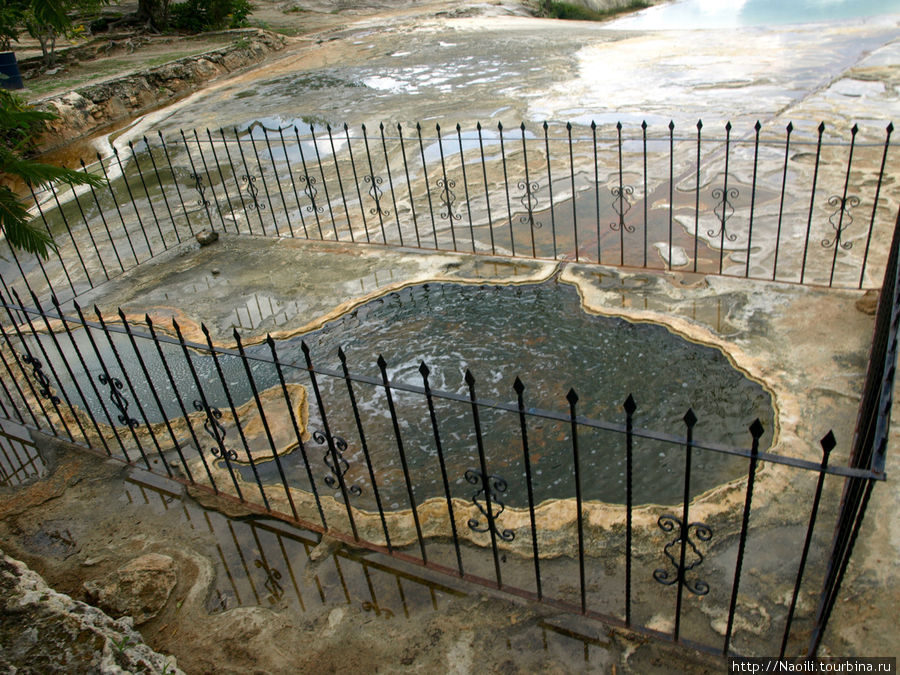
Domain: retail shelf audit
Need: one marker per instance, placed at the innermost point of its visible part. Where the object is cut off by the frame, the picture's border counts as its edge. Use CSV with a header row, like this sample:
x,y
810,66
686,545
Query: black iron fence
x,y
796,205
412,473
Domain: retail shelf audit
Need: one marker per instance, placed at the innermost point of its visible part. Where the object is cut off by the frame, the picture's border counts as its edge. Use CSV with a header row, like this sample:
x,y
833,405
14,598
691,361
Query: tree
x,y
11,17
19,126
47,20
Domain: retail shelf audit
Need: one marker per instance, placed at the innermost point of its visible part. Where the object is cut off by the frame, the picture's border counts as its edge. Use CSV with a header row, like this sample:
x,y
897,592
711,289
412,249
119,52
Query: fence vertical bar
x,y
485,479
519,388
65,220
630,407
412,204
297,433
382,366
671,189
365,447
329,439
161,188
252,190
165,148
62,264
887,140
123,405
287,214
310,188
596,189
424,371
212,147
387,170
843,204
340,181
312,133
71,373
572,178
90,379
290,171
572,398
375,192
512,238
262,174
757,128
209,178
529,187
116,203
105,378
621,195
227,455
756,431
696,196
132,200
37,366
787,145
446,185
87,227
140,173
198,180
362,207
487,192
812,200
15,381
690,419
462,166
828,444
156,399
550,187
725,195
184,412
234,173
268,431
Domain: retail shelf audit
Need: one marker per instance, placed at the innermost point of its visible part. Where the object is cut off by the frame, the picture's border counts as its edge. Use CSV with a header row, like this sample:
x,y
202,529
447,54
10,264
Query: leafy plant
x,y
19,127
567,10
196,16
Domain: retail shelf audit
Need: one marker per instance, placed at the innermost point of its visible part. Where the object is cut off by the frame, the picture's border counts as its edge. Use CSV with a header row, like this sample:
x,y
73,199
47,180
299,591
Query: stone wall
x,y
90,108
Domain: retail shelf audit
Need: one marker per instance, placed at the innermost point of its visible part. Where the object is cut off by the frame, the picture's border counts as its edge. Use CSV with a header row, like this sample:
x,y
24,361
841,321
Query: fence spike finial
x,y
690,418
518,386
424,370
630,406
756,429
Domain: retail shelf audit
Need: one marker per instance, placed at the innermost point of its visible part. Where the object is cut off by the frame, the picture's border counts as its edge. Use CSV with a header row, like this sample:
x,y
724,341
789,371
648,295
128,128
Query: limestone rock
x,y
48,632
139,589
868,303
207,237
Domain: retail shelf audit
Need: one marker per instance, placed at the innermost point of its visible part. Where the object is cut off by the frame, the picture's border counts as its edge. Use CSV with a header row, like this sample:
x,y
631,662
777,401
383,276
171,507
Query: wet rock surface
x,y
139,589
43,631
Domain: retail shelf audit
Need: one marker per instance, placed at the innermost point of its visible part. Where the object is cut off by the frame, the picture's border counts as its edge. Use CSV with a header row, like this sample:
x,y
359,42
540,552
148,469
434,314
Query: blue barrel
x,y
10,77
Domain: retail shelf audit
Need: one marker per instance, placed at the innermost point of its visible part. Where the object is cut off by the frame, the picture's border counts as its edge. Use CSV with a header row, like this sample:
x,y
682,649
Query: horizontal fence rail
x,y
787,205
414,472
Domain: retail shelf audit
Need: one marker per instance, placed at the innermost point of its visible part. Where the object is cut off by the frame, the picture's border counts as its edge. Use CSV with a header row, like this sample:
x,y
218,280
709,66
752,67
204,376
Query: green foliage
x,y
19,127
11,16
566,10
196,16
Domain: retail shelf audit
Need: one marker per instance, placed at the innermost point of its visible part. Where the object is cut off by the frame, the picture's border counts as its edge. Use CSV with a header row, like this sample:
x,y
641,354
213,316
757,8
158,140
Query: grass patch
x,y
566,10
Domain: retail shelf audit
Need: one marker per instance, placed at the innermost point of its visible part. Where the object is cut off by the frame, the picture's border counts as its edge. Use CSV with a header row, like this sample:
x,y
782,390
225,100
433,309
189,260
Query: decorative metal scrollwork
x,y
724,210
335,478
621,205
840,220
252,192
448,197
311,192
495,486
376,193
529,200
41,377
214,428
701,532
201,188
273,577
118,400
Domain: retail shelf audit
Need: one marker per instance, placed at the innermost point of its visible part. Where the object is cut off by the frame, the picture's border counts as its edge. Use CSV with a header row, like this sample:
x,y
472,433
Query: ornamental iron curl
x,y
702,532
376,193
493,486
273,577
311,192
336,477
369,606
252,192
201,188
41,377
214,428
844,220
621,205
724,210
529,200
448,197
118,400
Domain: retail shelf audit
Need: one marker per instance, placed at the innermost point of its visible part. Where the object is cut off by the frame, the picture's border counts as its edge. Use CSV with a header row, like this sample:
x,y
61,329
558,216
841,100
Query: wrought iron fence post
x,y
787,145
572,398
519,388
812,201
